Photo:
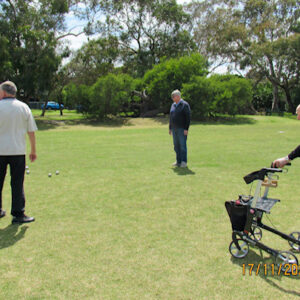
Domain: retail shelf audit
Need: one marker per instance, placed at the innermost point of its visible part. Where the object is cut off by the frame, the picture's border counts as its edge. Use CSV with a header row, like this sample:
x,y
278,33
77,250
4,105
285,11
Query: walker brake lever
x,y
286,170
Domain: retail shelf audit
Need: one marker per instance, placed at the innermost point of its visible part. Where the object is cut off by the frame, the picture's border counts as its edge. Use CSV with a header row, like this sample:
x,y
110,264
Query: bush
x,y
170,75
262,96
200,95
77,97
109,95
226,94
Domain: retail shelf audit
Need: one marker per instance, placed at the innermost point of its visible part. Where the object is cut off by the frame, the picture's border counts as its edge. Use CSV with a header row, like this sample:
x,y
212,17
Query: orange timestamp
x,y
271,269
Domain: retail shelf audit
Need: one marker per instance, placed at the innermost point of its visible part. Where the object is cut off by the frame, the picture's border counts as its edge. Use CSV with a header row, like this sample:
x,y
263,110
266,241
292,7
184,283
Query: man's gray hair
x,y
9,87
176,92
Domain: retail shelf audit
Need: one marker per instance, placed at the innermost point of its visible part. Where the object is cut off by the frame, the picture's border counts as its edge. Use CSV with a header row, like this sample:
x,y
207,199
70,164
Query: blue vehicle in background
x,y
52,105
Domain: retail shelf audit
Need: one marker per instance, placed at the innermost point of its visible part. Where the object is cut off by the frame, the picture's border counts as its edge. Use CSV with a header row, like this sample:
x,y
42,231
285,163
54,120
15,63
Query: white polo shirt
x,y
16,120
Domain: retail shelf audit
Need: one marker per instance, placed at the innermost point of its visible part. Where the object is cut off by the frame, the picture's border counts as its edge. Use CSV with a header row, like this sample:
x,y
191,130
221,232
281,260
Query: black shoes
x,y
2,213
17,220
22,219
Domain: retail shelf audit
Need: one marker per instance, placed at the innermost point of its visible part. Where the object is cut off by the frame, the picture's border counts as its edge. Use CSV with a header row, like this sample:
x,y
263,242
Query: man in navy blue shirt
x,y
180,117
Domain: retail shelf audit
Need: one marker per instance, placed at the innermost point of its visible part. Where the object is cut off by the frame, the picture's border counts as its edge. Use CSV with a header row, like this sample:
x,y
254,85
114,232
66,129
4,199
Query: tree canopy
x,y
148,48
261,36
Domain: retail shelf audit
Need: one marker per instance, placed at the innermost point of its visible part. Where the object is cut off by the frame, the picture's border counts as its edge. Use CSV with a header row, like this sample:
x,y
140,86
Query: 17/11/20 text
x,y
271,269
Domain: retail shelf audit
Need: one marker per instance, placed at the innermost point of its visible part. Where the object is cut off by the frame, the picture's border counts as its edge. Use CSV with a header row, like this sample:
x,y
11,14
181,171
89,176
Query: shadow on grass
x,y
218,120
10,235
265,271
116,122
227,120
46,124
183,171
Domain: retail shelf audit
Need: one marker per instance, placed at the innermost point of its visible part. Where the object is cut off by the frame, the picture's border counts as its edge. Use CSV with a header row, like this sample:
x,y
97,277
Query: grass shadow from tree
x,y
218,120
107,123
118,122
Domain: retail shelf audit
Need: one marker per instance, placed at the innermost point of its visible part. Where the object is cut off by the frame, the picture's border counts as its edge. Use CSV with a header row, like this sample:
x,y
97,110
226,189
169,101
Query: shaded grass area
x,y
53,120
120,223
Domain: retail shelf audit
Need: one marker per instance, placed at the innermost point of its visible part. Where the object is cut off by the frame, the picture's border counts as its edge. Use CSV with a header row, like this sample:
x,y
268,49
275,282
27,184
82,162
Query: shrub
x,y
170,75
109,95
226,94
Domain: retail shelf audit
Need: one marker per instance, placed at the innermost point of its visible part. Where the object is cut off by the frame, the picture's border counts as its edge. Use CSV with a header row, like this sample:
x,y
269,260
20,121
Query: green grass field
x,y
119,222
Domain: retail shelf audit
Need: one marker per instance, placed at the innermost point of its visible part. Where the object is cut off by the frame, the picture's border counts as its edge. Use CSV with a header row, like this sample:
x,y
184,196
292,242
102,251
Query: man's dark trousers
x,y
17,171
180,148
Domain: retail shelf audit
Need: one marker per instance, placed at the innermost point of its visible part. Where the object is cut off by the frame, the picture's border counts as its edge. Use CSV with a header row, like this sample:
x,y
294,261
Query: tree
x,y
109,95
170,75
253,34
30,41
95,59
147,31
225,94
77,96
31,49
262,96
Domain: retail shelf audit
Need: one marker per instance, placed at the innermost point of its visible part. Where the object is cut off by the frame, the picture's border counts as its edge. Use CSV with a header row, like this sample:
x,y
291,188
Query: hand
x,y
185,132
32,157
170,132
280,162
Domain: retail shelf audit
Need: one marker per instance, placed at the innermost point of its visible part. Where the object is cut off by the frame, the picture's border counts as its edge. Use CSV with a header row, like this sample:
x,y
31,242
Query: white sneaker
x,y
183,164
175,164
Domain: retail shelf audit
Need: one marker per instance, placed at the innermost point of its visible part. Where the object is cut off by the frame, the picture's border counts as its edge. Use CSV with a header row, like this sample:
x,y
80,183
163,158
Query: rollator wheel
x,y
296,236
287,261
235,252
257,233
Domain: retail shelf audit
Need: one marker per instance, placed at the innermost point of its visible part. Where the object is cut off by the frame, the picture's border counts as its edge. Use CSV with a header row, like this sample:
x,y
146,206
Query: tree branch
x,y
69,34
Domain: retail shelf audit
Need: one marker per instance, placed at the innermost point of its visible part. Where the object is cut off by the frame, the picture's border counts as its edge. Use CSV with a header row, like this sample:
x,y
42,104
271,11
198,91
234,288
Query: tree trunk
x,y
289,100
275,98
144,104
44,109
61,110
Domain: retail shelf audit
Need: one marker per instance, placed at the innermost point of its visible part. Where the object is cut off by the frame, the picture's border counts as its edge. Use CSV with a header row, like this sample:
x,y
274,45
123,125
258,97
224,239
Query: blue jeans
x,y
179,140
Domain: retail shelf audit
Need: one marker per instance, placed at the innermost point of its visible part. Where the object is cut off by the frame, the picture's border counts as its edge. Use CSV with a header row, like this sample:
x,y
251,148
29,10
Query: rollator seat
x,y
266,204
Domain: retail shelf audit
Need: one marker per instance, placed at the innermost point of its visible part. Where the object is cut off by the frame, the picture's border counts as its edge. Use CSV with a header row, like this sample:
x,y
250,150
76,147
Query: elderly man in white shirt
x,y
16,121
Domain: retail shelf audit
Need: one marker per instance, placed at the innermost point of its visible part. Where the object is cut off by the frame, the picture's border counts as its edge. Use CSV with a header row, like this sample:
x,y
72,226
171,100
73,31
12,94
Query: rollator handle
x,y
260,174
288,164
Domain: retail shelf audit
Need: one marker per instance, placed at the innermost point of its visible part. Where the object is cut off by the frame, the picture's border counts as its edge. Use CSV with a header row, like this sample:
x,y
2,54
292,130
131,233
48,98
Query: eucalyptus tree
x,y
94,59
261,36
147,30
31,42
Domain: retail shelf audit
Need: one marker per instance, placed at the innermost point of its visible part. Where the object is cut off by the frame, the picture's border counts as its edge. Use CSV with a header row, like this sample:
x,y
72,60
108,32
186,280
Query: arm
x,y
294,154
170,122
281,162
187,112
32,155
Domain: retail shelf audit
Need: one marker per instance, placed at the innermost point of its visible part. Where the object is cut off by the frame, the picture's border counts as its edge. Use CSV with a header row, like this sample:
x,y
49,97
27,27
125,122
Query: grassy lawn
x,y
119,222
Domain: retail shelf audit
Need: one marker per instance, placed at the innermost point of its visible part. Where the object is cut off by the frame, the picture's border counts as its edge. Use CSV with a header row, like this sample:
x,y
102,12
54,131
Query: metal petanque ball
x,y
27,167
57,172
27,171
49,175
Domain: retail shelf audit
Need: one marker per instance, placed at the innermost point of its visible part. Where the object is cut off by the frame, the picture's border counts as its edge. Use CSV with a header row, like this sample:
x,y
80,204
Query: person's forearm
x,y
32,142
295,153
